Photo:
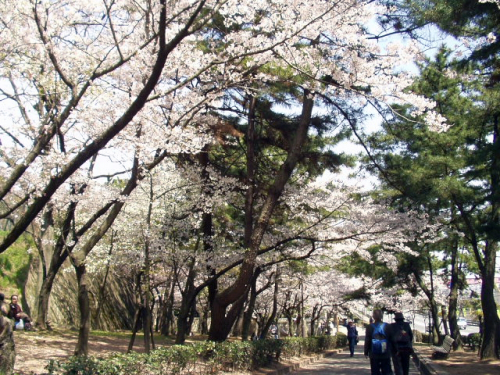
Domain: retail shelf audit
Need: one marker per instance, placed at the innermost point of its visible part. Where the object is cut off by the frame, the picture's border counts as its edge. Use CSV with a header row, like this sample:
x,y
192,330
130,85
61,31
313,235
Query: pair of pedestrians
x,y
385,341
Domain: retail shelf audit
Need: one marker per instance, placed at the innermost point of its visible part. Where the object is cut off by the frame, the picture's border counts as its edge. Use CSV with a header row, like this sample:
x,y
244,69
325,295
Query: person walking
x,y
402,344
377,345
352,336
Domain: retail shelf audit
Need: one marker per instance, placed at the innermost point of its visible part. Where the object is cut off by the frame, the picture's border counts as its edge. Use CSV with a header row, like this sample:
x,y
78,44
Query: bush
x,y
341,340
200,358
473,340
417,336
266,351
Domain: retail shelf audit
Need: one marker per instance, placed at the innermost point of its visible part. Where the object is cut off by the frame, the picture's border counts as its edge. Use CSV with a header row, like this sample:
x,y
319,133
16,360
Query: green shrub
x,y
265,352
426,338
199,358
417,336
341,340
473,340
74,366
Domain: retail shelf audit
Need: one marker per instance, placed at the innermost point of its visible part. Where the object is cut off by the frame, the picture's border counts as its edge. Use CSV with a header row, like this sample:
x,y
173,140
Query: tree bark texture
x,y
491,325
453,300
82,346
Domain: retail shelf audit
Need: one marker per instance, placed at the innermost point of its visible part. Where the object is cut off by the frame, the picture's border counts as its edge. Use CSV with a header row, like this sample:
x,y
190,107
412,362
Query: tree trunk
x,y
233,294
43,301
102,287
491,329
453,299
82,347
137,323
220,333
146,318
204,321
490,341
188,300
248,314
274,310
316,313
58,253
182,325
147,326
167,308
444,320
90,149
433,309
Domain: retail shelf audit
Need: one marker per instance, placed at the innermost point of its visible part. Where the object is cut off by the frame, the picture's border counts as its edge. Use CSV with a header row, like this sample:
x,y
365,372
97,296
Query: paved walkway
x,y
343,364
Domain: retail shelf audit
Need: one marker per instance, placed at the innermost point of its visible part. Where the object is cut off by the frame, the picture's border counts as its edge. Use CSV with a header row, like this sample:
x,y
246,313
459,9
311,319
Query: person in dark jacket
x,y
352,336
402,344
16,312
378,345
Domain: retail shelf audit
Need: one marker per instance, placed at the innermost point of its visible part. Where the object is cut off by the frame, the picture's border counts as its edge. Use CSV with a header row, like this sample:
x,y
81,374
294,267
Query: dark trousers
x,y
352,344
401,363
381,366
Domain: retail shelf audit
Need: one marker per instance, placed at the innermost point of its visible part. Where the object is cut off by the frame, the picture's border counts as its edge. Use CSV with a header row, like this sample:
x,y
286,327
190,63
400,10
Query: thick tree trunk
x,y
82,347
219,333
43,301
167,312
182,325
491,329
316,313
455,285
490,340
185,318
188,300
234,293
57,253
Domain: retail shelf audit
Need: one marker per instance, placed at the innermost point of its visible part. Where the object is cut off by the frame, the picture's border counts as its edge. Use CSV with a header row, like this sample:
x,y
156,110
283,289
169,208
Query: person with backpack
x,y
402,344
352,336
378,345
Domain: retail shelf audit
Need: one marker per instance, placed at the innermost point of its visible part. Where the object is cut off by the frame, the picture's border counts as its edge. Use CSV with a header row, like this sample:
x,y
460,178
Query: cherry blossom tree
x,y
138,80
82,77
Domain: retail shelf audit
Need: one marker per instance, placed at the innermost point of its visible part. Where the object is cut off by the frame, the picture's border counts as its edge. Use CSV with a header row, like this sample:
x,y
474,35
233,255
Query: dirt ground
x,y
35,349
462,363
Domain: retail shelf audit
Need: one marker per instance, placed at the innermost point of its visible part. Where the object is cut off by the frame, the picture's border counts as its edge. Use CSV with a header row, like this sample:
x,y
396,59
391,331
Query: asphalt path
x,y
343,364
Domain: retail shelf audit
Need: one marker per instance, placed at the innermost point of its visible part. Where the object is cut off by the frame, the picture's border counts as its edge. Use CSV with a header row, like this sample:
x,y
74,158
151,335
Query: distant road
x,y
421,321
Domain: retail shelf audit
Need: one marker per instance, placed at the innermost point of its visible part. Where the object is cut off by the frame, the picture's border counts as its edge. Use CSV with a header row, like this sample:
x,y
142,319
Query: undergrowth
x,y
198,358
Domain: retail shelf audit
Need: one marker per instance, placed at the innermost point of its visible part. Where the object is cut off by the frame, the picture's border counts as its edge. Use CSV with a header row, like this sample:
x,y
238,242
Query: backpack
x,y
379,339
402,337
